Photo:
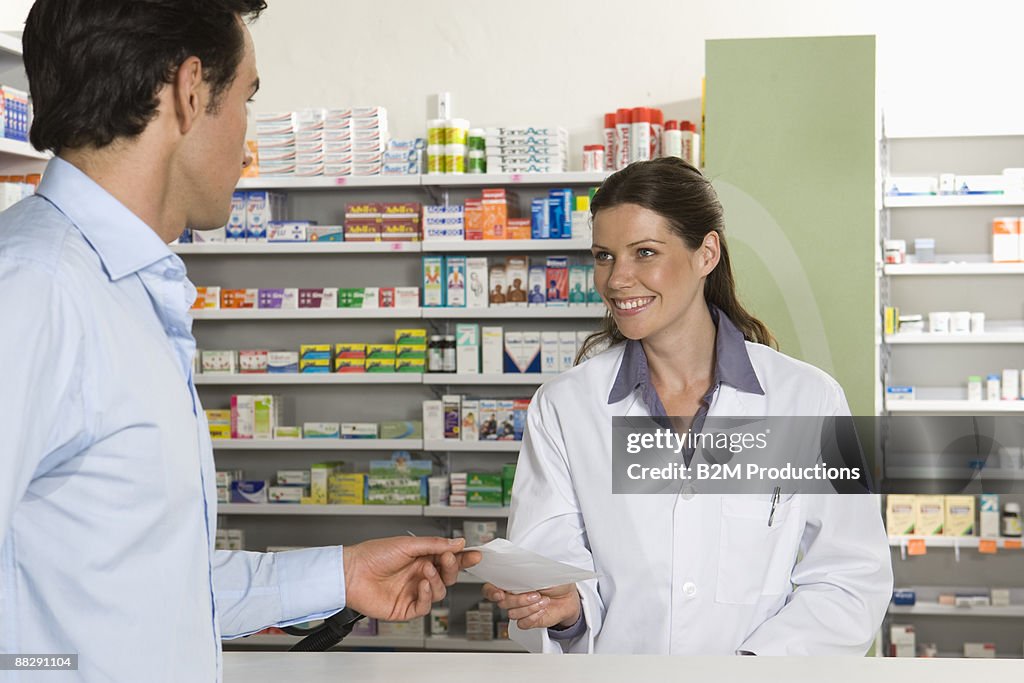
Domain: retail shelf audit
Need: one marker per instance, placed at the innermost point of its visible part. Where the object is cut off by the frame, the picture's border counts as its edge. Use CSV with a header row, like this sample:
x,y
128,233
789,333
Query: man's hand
x,y
557,607
397,579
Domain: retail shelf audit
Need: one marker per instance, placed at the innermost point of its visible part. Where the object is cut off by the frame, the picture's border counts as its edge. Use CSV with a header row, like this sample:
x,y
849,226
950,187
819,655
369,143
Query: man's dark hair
x,y
95,66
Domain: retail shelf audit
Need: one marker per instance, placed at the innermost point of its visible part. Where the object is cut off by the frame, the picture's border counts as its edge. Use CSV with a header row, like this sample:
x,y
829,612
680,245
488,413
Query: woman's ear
x,y
709,253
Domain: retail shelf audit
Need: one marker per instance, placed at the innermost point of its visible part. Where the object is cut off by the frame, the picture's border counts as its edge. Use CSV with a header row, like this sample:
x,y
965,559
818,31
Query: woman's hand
x,y
557,607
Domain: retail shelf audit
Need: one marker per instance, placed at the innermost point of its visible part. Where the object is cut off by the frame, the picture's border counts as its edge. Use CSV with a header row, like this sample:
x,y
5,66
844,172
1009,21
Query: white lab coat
x,y
703,574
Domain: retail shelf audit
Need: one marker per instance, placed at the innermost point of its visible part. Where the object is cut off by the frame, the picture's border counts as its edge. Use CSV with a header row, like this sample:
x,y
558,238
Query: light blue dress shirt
x,y
107,481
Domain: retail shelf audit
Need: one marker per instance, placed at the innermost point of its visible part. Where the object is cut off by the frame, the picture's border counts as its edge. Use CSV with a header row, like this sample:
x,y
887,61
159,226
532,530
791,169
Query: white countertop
x,y
395,667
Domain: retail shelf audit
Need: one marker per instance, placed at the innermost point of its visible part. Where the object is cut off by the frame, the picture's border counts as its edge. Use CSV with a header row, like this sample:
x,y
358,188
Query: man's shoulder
x,y
35,235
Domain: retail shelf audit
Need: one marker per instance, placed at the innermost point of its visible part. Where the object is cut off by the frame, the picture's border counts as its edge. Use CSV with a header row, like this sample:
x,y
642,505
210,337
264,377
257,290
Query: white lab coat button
x,y
689,589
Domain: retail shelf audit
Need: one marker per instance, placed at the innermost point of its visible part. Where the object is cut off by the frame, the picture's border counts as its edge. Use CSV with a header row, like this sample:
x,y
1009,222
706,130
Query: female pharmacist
x,y
683,574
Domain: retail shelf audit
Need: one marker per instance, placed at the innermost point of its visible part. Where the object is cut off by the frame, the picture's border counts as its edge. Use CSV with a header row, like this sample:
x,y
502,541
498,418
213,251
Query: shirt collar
x,y
125,243
732,362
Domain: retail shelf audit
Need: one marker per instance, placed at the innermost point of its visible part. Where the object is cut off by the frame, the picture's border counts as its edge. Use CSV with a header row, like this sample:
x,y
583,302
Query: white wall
x,y
942,65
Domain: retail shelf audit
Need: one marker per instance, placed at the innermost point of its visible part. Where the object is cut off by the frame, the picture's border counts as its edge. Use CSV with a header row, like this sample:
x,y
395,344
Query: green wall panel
x,y
790,146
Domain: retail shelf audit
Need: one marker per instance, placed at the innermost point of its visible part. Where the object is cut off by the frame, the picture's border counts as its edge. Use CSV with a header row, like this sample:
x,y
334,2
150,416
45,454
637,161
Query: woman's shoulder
x,y
775,370
588,379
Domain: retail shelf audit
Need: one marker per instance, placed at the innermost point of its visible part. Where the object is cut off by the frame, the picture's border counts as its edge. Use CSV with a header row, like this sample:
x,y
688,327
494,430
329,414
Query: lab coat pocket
x,y
755,559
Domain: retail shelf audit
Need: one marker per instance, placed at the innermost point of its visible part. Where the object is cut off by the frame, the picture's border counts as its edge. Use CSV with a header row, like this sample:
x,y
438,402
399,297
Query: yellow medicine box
x,y
380,364
959,516
346,489
411,336
317,351
219,422
350,350
900,515
931,515
410,365
383,351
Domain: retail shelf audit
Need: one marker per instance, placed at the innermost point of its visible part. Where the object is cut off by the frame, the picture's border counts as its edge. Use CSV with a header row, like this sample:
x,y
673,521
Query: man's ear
x,y
189,93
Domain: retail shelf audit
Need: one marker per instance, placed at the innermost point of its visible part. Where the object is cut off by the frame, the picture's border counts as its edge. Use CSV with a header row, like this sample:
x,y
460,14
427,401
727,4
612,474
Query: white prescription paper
x,y
513,569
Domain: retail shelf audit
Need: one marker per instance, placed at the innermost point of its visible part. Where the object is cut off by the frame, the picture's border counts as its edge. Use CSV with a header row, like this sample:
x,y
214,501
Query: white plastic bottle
x,y
657,130
640,135
672,140
623,123
609,141
691,142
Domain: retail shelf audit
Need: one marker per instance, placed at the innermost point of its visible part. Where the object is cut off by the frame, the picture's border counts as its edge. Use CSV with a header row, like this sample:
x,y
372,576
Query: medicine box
x,y
519,409
537,287
470,430
540,223
566,350
433,420
282,362
320,430
1005,239
411,352
219,362
931,516
557,281
359,430
235,229
959,520
253,362
452,415
346,489
467,348
287,494
320,474
989,515
410,336
433,281
219,422
492,350
325,233
550,356
577,286
980,650
900,515
249,492
499,285
243,416
401,429
380,364
505,417
474,220
455,281
477,283
517,270
287,432
902,641
416,365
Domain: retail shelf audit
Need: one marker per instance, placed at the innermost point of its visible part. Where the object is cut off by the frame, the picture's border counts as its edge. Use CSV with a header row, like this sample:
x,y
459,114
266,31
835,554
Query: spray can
x,y
640,135
609,141
672,140
623,120
657,126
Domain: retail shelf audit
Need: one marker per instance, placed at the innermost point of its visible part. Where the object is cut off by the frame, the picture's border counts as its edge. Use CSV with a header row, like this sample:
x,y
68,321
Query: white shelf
x,y
958,473
22,151
1009,199
466,246
293,509
436,180
472,446
454,643
317,444
947,541
263,379
935,609
526,379
287,641
275,248
950,400
305,313
996,332
481,179
326,182
511,312
956,264
482,513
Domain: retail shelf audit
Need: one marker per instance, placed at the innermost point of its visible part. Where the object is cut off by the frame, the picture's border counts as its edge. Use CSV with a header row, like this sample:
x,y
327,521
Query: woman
x,y
683,574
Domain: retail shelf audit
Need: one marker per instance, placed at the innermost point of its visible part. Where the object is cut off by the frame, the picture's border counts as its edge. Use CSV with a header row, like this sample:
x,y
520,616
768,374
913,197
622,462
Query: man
x,y
107,497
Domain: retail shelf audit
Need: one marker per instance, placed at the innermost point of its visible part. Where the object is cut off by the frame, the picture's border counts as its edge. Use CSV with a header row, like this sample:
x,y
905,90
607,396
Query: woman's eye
x,y
645,252
602,256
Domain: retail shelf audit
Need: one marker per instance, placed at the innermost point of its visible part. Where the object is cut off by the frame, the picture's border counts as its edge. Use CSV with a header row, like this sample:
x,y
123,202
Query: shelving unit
x,y
512,312
962,277
16,157
293,509
365,397
317,444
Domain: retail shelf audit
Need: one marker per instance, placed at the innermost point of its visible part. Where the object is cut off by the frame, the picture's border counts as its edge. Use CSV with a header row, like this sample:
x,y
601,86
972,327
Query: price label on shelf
x,y
341,180
516,178
395,246
987,546
916,546
1011,544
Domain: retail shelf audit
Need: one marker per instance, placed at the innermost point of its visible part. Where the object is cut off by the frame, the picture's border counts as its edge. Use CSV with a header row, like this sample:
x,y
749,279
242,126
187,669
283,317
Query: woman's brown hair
x,y
681,195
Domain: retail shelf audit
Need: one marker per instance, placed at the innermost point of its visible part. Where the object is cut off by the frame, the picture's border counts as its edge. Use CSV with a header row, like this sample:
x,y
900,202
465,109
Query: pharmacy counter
x,y
394,667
